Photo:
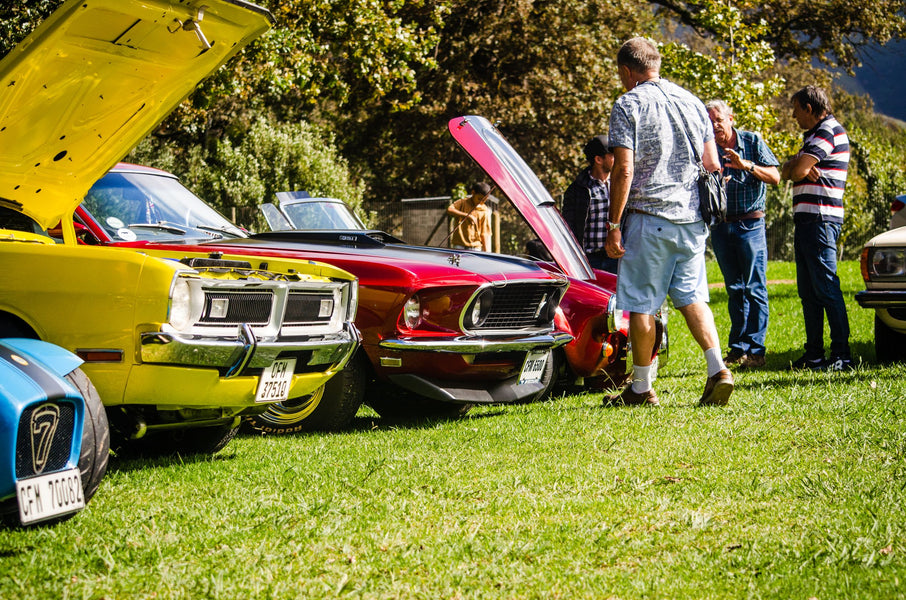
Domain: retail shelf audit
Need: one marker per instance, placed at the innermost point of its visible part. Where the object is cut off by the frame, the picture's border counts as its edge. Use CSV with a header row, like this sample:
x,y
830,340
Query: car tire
x,y
889,344
95,435
186,441
332,407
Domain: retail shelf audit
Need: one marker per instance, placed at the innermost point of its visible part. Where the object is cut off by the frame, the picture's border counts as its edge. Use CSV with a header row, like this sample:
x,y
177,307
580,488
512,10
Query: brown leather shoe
x,y
734,357
718,389
752,361
628,397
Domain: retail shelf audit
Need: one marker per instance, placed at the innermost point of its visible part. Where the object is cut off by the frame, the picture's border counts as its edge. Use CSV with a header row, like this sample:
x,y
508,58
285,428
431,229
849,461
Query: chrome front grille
x,y
232,308
44,438
516,307
309,309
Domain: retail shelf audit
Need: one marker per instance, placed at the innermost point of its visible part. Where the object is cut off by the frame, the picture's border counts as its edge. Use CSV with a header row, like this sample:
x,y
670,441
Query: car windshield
x,y
321,213
150,207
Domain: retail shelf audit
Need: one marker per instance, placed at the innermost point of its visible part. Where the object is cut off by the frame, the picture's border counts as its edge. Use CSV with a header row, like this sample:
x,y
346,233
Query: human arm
x,y
766,173
576,200
620,182
710,157
455,209
800,167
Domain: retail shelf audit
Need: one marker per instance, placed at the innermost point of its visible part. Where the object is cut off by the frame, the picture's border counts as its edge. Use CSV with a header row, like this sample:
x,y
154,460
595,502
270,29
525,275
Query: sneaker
x,y
752,361
734,357
718,389
804,362
628,397
839,363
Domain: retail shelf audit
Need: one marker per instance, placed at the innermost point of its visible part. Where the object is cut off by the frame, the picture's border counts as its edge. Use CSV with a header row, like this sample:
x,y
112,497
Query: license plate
x,y
275,381
50,495
533,368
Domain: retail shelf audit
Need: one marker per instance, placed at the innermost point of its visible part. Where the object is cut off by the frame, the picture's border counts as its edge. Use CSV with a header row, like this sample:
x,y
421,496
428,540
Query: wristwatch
x,y
610,226
751,168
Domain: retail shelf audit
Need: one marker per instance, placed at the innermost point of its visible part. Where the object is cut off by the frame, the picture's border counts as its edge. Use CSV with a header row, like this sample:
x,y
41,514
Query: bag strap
x,y
698,158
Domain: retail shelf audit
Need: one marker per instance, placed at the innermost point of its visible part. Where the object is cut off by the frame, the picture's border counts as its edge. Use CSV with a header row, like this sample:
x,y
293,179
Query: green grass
x,y
795,490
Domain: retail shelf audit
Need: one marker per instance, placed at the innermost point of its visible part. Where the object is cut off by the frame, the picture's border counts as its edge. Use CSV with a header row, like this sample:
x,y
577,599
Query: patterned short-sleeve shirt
x,y
652,120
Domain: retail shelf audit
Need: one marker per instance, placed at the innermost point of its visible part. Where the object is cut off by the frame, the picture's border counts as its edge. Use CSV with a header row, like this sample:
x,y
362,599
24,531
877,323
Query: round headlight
x,y
185,306
412,312
889,262
480,309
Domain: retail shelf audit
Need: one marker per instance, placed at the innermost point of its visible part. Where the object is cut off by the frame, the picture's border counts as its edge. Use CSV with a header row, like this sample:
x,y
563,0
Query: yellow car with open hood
x,y
180,346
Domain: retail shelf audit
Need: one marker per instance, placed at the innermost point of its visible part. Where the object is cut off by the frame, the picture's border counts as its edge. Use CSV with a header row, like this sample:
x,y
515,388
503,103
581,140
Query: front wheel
x,y
329,408
889,344
95,435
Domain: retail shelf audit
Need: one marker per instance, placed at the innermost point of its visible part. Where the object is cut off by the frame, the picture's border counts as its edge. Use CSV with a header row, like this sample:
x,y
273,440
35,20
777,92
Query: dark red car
x,y
441,329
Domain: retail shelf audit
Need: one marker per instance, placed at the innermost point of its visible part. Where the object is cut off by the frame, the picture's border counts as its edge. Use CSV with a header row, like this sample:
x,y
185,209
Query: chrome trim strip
x,y
472,345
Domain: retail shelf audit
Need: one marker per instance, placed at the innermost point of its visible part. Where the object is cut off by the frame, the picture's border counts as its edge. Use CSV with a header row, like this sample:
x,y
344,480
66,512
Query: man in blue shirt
x,y
740,243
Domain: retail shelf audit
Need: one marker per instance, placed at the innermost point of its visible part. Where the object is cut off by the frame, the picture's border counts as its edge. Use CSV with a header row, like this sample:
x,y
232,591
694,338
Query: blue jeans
x,y
600,260
815,246
741,249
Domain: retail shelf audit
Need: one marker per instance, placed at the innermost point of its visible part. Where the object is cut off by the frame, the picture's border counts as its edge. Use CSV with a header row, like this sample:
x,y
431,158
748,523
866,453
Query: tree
x,y
834,31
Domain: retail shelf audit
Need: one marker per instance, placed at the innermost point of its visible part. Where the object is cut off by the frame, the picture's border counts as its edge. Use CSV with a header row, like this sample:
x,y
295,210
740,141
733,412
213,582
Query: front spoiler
x,y
246,350
479,392
478,345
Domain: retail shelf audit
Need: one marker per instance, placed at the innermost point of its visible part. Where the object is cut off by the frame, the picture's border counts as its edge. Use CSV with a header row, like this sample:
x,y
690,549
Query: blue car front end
x,y
42,416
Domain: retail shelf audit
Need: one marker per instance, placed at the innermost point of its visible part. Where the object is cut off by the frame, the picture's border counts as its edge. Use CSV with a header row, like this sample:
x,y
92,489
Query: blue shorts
x,y
661,258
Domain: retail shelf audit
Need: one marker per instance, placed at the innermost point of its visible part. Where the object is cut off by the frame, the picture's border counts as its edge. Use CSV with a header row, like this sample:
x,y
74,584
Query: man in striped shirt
x,y
818,173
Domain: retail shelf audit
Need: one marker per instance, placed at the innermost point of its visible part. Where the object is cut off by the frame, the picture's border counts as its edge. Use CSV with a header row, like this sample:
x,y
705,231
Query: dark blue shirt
x,y
745,192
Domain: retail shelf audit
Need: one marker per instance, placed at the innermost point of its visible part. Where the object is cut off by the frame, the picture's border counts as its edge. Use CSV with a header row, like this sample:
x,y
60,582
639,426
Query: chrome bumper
x,y
881,298
246,350
473,345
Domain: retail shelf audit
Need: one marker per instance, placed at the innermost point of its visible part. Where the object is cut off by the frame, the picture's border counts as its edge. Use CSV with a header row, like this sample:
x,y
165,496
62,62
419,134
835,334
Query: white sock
x,y
641,379
714,360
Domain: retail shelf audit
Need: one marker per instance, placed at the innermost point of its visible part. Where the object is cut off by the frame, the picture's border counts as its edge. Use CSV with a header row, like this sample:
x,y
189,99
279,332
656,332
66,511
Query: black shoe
x,y
804,362
839,363
734,357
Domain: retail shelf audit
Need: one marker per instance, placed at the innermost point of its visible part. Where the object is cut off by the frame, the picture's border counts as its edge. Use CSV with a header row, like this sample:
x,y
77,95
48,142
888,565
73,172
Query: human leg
x,y
827,290
725,245
753,248
804,244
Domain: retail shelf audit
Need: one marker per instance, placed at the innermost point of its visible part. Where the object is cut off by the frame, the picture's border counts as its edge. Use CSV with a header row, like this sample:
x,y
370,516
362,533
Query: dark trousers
x,y
815,246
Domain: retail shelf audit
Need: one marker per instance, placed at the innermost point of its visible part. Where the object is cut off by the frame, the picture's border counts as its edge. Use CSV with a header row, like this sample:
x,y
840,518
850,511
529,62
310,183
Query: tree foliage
x,y
834,31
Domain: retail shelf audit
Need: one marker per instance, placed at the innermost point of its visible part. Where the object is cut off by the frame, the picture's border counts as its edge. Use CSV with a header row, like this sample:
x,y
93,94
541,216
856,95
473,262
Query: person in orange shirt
x,y
474,229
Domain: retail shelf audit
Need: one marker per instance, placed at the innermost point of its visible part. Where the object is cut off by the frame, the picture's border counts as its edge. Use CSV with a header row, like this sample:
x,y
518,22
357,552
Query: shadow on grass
x,y
126,460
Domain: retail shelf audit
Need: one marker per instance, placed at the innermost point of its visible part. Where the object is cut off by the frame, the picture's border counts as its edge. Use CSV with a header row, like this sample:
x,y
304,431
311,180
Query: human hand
x,y
813,174
614,244
733,160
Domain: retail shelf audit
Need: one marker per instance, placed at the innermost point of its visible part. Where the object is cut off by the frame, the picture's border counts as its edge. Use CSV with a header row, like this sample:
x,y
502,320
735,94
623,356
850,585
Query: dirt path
x,y
770,282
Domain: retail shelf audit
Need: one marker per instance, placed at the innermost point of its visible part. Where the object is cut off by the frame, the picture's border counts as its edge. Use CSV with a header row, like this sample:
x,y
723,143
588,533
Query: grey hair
x,y
640,55
720,106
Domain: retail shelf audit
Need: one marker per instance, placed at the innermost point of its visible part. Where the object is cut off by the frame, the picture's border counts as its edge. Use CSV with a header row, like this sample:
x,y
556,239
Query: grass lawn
x,y
795,490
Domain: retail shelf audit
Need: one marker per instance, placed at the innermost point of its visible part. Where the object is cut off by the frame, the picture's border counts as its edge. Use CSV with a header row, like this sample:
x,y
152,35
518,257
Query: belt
x,y
755,214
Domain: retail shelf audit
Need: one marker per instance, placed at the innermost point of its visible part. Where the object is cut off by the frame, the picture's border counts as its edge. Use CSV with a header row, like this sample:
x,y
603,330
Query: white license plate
x,y
51,495
275,381
533,367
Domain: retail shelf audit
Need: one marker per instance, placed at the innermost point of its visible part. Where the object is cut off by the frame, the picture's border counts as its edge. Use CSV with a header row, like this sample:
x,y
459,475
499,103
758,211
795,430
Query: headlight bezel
x,y
186,302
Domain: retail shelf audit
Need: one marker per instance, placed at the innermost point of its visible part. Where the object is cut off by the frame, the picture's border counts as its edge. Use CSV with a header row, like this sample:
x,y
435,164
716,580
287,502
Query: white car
x,y
884,272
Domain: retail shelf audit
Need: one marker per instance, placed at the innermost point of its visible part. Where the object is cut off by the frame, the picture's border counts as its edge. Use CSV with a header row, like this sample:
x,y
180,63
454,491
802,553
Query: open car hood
x,y
96,77
505,167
